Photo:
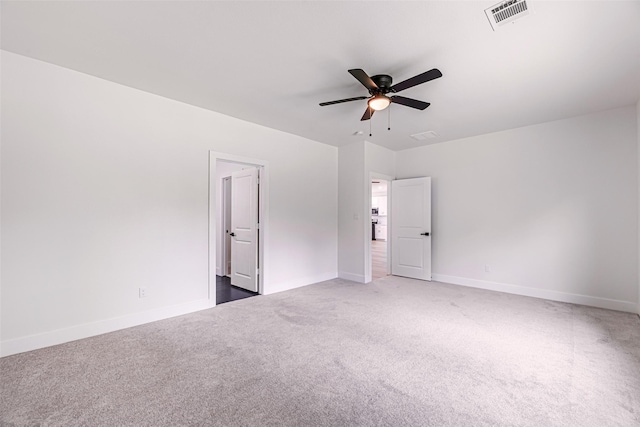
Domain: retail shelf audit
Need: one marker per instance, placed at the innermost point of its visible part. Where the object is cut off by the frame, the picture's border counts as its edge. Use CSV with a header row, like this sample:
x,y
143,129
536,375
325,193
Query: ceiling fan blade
x,y
339,101
364,79
416,80
367,114
409,102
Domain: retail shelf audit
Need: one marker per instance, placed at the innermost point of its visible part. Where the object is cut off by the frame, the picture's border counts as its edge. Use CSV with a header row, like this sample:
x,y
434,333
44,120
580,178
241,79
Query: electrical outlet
x,y
142,292
487,268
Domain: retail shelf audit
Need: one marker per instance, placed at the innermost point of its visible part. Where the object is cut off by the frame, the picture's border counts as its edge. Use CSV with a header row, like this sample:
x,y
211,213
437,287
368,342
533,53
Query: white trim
x,y
607,303
305,281
263,231
351,276
86,330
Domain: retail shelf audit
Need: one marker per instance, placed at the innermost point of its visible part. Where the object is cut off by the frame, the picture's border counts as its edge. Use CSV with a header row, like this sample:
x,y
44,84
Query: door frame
x,y
214,209
367,222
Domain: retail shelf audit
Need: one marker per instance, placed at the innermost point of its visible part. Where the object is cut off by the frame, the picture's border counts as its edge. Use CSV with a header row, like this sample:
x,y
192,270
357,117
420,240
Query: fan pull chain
x,y
389,119
370,119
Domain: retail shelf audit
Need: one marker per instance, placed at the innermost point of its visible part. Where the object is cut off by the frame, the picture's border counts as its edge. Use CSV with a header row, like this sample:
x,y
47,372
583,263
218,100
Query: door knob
x,y
424,234
232,234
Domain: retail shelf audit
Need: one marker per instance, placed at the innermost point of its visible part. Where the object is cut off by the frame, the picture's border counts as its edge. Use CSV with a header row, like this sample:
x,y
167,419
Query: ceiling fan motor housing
x,y
383,81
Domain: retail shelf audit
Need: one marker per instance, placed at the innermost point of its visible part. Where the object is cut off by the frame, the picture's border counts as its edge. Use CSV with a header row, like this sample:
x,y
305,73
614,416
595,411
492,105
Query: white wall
x,y
379,160
351,216
638,145
105,190
357,162
552,209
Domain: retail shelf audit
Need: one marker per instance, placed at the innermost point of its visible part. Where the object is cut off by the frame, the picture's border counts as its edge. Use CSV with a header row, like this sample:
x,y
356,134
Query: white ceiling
x,y
271,63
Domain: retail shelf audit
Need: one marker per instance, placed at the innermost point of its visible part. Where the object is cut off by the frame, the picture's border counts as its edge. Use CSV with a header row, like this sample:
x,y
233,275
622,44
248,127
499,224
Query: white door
x,y
411,228
244,229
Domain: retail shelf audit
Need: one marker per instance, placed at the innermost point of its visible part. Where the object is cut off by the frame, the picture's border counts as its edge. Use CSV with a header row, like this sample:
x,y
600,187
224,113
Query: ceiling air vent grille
x,y
506,12
424,135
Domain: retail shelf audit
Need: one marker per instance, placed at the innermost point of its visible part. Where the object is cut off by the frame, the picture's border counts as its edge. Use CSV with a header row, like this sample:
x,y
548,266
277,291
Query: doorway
x,y
403,220
379,191
225,290
237,224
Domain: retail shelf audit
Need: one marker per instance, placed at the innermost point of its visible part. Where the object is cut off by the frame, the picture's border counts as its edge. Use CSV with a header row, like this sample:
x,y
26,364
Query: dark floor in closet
x,y
226,292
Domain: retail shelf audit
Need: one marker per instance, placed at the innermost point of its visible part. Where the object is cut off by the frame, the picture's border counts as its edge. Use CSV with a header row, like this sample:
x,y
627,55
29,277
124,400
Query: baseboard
x,y
60,336
610,304
298,283
353,277
218,271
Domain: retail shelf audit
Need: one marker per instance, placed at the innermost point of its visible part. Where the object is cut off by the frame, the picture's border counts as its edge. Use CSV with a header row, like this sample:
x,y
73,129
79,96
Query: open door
x,y
411,228
244,229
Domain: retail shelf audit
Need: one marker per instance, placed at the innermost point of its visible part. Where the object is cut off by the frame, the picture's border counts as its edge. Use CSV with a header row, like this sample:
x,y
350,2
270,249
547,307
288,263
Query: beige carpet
x,y
396,352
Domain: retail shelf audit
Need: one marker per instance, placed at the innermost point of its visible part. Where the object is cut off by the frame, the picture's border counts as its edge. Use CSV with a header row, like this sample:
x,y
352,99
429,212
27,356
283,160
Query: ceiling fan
x,y
379,87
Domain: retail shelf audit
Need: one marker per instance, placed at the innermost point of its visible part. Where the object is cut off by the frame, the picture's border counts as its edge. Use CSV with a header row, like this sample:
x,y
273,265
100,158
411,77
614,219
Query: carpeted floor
x,y
394,352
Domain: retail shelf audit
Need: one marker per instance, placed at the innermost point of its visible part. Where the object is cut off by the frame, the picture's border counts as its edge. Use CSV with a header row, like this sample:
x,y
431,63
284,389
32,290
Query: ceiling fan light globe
x,y
379,102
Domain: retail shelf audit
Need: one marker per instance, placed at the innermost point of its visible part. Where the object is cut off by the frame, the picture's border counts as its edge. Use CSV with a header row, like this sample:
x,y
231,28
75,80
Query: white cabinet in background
x,y
381,232
382,205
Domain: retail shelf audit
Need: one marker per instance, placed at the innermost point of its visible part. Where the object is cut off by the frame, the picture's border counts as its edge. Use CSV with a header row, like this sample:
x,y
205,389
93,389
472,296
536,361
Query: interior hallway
x,y
378,259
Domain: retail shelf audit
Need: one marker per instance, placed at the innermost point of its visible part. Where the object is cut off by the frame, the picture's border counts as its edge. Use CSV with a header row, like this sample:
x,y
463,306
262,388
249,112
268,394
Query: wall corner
x,y
638,177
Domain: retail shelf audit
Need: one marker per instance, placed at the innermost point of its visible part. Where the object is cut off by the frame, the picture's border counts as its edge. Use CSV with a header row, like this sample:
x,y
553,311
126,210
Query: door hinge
x,y
258,271
258,226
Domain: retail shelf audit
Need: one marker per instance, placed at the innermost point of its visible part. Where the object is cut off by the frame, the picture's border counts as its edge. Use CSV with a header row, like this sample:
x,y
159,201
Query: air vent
x,y
424,135
507,12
